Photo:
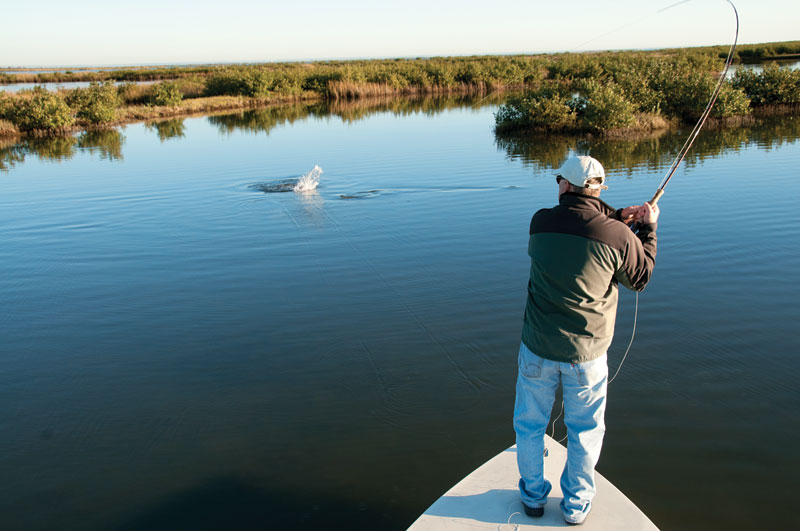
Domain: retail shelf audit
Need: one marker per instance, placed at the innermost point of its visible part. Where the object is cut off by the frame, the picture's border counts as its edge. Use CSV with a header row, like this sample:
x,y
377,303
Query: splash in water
x,y
309,181
306,183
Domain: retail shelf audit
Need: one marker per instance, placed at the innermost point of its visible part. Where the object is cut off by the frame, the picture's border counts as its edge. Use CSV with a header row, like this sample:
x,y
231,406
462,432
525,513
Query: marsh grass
x,y
134,94
350,90
8,129
136,113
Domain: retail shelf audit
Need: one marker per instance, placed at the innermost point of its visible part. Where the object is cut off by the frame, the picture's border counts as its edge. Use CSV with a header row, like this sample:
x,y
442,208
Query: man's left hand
x,y
628,214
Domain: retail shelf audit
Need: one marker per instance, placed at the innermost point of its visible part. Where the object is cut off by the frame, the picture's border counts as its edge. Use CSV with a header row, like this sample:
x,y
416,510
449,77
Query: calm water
x,y
791,64
51,71
66,85
181,350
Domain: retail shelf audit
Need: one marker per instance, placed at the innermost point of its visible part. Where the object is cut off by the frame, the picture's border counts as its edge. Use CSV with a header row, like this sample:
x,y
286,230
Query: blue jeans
x,y
584,388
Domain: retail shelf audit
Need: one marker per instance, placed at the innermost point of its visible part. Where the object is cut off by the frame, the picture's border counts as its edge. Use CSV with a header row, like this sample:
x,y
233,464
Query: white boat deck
x,y
488,499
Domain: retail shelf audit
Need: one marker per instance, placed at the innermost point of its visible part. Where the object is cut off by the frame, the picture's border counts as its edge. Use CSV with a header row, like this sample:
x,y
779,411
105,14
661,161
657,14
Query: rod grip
x,y
656,196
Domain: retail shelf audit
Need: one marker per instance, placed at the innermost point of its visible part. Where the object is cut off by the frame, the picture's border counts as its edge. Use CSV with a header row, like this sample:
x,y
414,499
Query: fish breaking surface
x,y
307,182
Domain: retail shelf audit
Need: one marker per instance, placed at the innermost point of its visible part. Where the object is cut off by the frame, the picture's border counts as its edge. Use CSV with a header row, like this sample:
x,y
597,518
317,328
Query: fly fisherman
x,y
579,249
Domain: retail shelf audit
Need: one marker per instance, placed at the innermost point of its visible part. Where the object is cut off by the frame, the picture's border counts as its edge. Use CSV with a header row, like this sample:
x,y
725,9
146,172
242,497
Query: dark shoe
x,y
534,511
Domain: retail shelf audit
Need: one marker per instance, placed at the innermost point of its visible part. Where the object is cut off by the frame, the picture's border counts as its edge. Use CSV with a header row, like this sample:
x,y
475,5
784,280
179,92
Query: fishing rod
x,y
703,117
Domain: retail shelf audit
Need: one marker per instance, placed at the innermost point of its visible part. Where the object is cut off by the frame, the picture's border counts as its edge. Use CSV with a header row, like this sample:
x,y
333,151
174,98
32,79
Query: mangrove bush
x,y
606,92
547,109
603,107
96,104
39,109
251,82
773,85
165,94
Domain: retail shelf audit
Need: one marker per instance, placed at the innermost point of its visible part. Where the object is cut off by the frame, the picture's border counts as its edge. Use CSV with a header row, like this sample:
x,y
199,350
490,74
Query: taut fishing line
x,y
673,167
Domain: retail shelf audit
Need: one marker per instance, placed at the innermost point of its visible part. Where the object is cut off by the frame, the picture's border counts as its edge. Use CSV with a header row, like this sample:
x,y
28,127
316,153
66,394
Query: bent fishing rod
x,y
703,117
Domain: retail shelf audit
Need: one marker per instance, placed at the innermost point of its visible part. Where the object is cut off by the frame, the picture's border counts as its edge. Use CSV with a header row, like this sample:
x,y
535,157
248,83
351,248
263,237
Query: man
x,y
580,250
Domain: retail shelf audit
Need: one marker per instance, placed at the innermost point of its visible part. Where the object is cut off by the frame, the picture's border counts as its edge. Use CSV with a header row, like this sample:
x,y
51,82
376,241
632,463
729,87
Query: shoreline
x,y
646,126
144,113
210,105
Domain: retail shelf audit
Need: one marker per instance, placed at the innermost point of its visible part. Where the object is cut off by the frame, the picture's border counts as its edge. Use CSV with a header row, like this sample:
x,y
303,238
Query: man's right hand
x,y
648,214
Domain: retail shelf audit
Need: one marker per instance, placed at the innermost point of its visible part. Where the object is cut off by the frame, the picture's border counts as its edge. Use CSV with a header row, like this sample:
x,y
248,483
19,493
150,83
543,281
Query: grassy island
x,y
601,92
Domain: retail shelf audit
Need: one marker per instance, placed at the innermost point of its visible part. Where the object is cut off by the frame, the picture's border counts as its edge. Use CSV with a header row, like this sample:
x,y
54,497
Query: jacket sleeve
x,y
639,258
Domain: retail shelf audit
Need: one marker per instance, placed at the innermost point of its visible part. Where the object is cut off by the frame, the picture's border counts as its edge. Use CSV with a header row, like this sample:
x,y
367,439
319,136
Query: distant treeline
x,y
487,68
130,74
583,92
756,53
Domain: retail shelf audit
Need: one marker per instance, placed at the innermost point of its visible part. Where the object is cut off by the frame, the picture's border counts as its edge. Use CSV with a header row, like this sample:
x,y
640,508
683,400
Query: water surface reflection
x,y
105,143
650,152
542,151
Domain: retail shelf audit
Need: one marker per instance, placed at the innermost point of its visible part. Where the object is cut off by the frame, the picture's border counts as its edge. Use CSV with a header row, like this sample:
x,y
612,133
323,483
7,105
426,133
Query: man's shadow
x,y
497,506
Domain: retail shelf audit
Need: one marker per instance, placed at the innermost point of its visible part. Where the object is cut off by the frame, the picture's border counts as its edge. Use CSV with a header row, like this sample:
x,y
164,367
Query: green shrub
x,y
318,79
97,104
639,79
773,85
731,101
40,109
165,94
290,83
597,107
604,107
546,109
574,66
473,73
252,82
5,105
392,79
440,74
688,96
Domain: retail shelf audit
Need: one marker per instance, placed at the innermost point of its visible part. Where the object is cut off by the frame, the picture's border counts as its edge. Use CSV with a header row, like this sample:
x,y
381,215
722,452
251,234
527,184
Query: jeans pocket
x,y
530,365
592,372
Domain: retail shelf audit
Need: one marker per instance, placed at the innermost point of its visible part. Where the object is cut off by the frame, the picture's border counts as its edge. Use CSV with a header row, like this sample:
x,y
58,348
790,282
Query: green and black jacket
x,y
580,251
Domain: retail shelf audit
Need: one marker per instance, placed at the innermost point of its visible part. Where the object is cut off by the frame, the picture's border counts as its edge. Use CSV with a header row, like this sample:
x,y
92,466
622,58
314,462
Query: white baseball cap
x,y
579,170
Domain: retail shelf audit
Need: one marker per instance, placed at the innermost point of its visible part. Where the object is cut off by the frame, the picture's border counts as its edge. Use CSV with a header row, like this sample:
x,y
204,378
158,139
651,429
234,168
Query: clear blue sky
x,y
93,32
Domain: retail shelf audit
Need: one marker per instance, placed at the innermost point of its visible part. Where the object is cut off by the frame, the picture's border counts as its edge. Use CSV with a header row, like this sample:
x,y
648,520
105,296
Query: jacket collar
x,y
575,200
